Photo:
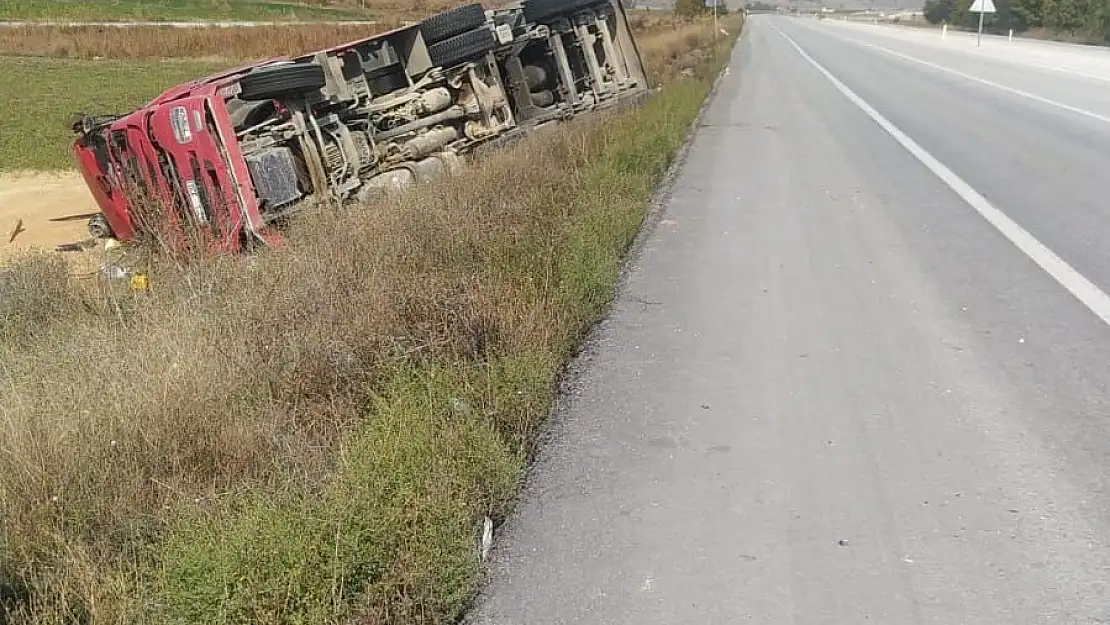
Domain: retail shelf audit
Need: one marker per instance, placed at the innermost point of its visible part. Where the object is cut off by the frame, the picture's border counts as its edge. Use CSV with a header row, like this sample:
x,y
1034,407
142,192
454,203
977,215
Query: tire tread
x,y
452,22
270,82
468,45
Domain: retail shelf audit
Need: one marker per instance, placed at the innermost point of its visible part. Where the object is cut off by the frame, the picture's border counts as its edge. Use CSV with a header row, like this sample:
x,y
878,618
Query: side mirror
x,y
81,123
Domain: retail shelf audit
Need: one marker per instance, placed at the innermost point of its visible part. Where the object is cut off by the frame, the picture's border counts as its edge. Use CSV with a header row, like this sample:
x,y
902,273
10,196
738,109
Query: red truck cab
x,y
174,160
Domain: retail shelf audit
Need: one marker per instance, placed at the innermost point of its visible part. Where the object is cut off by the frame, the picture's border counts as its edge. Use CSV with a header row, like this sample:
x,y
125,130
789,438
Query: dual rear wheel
x,y
457,35
454,36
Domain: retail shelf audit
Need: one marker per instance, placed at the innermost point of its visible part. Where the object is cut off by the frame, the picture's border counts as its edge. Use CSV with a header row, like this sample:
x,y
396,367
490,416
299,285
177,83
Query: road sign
x,y
982,6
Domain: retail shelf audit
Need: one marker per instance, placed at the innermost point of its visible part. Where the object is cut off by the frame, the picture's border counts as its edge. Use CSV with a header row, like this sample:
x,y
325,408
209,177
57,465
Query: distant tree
x,y
1084,19
938,11
1101,26
1026,14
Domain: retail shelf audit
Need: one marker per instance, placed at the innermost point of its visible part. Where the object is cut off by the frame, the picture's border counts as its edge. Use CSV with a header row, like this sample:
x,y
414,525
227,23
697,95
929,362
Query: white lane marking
x,y
1076,283
1052,68
984,81
976,52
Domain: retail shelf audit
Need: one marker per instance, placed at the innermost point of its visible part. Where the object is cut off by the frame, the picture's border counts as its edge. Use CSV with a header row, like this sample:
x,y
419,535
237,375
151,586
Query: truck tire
x,y
452,22
464,47
281,80
540,11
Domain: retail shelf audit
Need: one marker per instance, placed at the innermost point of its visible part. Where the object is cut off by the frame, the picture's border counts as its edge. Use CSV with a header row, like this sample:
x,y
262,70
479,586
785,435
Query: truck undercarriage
x,y
231,155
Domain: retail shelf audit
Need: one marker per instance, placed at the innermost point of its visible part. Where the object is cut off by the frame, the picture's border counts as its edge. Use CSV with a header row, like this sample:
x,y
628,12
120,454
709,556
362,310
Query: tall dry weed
x,y
676,45
240,375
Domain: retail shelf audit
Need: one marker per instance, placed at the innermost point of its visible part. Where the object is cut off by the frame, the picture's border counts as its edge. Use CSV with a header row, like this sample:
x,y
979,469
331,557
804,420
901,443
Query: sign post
x,y
981,7
715,27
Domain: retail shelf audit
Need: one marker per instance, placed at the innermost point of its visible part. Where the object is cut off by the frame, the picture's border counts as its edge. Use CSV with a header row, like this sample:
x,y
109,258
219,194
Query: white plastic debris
x,y
487,538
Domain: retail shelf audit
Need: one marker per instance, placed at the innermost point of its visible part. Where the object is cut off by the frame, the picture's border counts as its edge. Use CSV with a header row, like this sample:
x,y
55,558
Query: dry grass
x,y
395,8
1065,37
234,44
673,45
314,433
185,10
663,31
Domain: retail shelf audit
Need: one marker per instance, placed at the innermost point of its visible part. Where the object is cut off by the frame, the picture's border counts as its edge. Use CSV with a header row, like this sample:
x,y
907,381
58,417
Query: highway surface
x,y
857,372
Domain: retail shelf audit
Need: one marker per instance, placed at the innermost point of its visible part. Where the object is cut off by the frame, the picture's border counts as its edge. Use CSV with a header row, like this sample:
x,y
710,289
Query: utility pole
x,y
716,29
979,37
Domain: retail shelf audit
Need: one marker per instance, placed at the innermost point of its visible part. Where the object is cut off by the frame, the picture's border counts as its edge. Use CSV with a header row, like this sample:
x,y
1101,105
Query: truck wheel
x,y
452,22
281,80
464,47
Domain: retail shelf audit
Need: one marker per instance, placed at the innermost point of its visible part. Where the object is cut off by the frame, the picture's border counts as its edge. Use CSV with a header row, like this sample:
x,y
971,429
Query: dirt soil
x,y
36,198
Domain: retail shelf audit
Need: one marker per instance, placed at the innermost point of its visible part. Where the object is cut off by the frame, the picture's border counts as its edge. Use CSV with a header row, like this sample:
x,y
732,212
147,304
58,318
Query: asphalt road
x,y
858,371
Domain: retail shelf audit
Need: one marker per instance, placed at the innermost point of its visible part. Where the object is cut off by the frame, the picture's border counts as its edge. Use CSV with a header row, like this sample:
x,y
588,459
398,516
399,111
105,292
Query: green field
x,y
184,10
41,95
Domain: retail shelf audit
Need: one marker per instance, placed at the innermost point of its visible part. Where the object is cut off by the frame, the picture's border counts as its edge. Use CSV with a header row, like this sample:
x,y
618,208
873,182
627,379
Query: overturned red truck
x,y
231,155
